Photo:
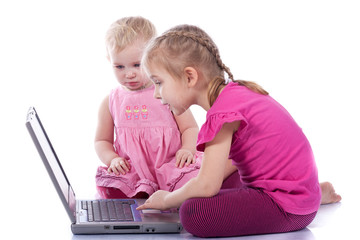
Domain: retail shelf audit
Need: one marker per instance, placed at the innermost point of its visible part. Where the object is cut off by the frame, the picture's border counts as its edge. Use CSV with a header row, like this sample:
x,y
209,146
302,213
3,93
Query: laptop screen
x,y
51,162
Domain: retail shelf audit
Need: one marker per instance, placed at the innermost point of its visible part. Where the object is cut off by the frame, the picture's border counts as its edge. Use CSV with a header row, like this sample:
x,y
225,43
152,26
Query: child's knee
x,y
191,219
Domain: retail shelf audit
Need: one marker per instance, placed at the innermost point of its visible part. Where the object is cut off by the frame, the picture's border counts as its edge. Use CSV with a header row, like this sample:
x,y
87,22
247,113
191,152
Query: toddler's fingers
x,y
190,160
181,161
184,161
194,159
123,167
128,165
114,170
120,170
178,160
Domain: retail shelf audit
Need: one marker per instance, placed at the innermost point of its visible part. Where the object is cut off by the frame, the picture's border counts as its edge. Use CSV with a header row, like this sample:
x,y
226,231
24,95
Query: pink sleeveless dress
x,y
146,134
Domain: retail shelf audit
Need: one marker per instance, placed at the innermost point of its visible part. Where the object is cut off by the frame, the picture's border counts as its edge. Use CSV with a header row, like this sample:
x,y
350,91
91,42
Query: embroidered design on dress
x,y
144,112
128,113
136,113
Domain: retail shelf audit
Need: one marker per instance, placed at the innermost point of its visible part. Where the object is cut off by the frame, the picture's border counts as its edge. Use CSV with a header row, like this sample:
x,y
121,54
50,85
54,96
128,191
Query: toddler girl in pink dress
x,y
151,149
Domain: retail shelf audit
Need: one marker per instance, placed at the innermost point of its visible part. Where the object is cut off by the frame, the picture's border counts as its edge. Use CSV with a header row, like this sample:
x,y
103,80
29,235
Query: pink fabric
x,y
148,137
269,149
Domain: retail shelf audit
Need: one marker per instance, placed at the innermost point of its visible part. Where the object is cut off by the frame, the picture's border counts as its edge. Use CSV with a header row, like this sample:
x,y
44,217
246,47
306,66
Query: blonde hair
x,y
187,45
125,31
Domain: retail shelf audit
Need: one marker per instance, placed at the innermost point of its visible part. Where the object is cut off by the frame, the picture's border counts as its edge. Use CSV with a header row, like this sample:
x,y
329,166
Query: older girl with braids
x,y
280,191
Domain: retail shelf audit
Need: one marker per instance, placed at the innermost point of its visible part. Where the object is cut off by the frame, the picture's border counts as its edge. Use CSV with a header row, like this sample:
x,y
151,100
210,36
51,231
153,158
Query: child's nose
x,y
130,74
157,95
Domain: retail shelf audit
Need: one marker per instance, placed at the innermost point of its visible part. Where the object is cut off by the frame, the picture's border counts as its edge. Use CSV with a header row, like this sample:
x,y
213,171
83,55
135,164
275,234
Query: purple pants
x,y
238,211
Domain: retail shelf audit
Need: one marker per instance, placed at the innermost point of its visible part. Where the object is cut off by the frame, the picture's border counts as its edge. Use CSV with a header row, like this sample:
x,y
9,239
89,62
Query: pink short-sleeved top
x,y
147,136
269,149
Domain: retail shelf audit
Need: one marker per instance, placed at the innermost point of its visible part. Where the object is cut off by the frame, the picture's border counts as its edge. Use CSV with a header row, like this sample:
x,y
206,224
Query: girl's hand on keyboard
x,y
156,201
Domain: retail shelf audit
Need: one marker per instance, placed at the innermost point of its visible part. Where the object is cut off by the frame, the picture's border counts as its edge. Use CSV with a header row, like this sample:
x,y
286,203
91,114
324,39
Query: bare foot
x,y
328,194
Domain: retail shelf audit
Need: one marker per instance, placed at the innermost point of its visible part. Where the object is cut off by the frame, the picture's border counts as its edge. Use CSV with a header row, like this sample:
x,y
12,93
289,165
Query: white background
x,y
52,56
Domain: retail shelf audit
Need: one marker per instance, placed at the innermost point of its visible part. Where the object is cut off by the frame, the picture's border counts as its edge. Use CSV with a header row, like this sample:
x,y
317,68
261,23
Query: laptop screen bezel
x,y
51,162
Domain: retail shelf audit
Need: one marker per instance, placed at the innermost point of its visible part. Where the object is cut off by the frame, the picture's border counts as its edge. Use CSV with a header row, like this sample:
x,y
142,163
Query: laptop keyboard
x,y
108,210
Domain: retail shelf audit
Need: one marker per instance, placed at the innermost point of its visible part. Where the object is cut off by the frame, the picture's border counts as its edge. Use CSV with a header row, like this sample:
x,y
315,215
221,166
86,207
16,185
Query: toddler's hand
x,y
119,165
184,157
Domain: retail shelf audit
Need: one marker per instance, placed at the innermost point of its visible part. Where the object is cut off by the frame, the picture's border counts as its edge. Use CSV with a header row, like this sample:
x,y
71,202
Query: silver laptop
x,y
99,216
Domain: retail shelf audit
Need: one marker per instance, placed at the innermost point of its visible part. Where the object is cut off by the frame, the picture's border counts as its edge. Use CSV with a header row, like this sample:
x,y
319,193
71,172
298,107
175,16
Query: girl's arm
x,y
104,140
209,180
105,134
189,132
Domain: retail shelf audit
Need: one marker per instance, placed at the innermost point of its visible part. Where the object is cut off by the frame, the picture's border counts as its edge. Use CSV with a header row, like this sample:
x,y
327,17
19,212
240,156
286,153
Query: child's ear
x,y
191,76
